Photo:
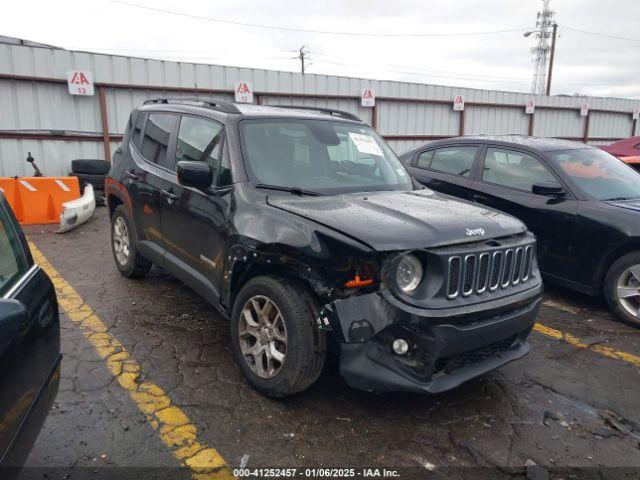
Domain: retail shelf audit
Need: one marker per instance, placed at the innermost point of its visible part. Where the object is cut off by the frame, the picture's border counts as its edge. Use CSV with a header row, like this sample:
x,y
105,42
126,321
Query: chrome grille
x,y
526,270
483,272
496,268
455,265
469,274
507,268
479,272
517,268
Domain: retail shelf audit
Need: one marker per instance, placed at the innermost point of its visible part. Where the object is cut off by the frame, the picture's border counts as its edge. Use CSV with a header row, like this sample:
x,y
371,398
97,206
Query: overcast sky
x,y
585,64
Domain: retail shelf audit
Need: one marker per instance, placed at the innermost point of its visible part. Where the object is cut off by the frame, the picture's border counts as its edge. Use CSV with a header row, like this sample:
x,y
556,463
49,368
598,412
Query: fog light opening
x,y
400,346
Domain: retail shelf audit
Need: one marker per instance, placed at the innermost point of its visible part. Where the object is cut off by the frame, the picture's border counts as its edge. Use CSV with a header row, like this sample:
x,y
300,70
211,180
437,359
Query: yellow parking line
x,y
173,426
576,342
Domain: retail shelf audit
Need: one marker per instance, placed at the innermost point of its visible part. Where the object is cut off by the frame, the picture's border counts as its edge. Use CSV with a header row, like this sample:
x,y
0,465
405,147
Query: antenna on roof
x,y
196,85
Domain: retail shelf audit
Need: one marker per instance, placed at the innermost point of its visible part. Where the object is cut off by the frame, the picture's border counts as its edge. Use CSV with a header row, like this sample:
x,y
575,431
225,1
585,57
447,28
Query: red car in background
x,y
627,150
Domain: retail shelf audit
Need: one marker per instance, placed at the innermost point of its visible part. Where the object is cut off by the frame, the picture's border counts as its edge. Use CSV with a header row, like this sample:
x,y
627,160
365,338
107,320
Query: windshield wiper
x,y
294,190
615,199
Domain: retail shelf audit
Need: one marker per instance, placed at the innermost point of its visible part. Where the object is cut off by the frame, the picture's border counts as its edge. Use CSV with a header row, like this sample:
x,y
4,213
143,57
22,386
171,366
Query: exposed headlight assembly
x,y
409,273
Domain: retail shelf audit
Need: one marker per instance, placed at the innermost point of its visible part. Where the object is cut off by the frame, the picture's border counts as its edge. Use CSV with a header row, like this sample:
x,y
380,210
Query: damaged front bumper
x,y
78,211
447,346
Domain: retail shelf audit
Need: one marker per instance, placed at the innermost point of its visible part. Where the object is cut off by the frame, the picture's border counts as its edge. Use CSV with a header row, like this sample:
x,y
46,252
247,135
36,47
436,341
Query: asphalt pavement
x,y
574,401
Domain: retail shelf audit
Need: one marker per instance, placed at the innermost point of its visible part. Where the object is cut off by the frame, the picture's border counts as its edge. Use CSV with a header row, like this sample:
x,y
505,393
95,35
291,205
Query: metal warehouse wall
x,y
37,114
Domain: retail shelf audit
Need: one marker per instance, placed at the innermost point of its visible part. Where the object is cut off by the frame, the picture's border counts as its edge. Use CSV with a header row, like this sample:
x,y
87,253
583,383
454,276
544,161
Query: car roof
x,y
543,144
216,108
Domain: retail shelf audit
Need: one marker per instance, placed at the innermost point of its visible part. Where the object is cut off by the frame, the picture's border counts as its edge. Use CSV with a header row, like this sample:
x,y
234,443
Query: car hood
x,y
389,221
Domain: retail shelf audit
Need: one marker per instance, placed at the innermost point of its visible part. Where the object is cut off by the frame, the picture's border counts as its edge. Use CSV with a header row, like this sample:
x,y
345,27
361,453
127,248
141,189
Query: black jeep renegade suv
x,y
301,226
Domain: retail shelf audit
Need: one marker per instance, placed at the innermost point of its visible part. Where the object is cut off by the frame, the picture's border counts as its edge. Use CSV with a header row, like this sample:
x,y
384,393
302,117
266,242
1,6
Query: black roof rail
x,y
330,111
212,103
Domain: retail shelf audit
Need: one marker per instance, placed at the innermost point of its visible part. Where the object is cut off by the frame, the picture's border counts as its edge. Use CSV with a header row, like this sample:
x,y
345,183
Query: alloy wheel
x,y
628,290
263,336
121,245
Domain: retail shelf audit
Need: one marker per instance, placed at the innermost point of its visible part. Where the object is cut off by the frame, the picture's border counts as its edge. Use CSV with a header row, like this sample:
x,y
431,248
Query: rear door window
x,y
157,134
456,160
513,169
13,263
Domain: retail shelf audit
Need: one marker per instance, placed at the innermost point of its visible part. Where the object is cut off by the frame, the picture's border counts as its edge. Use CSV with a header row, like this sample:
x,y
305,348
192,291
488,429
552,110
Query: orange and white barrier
x,y
39,200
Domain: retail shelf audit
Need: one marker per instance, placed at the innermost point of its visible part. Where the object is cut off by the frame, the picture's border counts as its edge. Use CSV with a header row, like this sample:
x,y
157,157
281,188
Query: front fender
x,y
244,262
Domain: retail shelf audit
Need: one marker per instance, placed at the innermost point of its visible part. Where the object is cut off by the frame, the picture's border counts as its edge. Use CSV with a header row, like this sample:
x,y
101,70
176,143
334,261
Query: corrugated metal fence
x,y
38,115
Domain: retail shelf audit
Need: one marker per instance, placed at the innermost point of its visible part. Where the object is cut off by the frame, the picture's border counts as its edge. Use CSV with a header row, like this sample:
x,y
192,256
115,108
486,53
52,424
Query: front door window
x,y
12,261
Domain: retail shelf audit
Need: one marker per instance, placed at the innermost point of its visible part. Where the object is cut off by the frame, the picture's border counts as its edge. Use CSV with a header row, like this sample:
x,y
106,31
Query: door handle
x,y
170,196
480,198
131,175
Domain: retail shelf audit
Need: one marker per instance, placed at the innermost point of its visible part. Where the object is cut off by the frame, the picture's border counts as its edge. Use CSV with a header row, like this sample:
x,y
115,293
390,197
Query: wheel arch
x,y
116,194
243,263
610,258
113,202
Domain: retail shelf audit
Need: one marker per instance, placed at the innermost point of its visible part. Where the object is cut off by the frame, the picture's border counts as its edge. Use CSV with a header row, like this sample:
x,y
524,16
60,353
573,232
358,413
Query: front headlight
x,y
409,273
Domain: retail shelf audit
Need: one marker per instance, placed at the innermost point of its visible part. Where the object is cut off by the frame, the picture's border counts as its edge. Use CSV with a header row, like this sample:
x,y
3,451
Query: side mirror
x,y
195,174
550,189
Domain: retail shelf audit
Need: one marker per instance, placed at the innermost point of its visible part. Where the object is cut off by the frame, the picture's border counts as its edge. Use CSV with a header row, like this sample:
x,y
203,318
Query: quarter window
x,y
137,129
200,140
424,159
514,169
12,261
156,137
455,160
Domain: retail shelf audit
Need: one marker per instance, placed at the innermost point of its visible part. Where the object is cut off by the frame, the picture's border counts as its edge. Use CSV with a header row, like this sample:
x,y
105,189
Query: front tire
x,y
622,288
123,246
275,338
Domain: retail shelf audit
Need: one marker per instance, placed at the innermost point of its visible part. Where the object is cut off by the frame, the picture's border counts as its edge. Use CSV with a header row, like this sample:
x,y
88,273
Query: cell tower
x,y
544,26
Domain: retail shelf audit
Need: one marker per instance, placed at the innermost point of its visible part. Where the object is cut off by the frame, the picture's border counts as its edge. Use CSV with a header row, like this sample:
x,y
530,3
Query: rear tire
x,y
622,288
123,246
93,167
89,178
97,181
287,348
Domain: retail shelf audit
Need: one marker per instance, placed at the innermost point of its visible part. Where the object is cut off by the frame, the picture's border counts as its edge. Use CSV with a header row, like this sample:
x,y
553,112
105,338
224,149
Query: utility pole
x,y
301,55
553,52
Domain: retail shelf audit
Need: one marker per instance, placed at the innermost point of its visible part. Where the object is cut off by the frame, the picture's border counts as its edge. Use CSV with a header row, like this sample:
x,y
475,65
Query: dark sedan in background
x,y
29,346
582,203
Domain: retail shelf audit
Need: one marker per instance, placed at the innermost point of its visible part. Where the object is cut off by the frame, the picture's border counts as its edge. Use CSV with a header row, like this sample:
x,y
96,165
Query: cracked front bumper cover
x,y
445,351
77,211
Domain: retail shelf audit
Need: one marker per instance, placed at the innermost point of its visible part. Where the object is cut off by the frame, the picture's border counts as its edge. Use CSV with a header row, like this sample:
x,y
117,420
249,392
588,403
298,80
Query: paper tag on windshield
x,y
365,144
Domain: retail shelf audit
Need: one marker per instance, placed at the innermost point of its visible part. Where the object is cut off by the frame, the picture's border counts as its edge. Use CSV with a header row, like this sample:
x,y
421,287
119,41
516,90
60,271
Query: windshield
x,y
320,156
598,174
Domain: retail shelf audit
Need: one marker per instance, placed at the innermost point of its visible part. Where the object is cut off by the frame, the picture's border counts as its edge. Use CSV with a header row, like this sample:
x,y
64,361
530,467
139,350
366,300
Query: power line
x,y
355,34
406,69
461,75
597,34
320,32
